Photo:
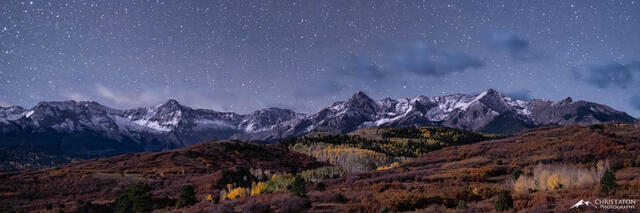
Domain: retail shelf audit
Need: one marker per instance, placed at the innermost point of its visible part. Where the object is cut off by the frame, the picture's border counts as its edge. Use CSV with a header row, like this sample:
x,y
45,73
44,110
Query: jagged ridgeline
x,y
381,148
59,132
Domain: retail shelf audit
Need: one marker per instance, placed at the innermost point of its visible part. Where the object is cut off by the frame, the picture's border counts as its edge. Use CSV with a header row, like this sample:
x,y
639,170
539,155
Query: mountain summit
x,y
360,97
91,130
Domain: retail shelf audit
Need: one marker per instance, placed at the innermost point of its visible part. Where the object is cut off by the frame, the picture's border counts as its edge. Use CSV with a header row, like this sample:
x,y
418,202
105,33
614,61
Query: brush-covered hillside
x,y
379,148
207,167
544,170
423,169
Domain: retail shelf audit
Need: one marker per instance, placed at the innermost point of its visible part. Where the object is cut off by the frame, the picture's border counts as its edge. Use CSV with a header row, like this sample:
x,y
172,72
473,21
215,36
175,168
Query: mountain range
x,y
88,129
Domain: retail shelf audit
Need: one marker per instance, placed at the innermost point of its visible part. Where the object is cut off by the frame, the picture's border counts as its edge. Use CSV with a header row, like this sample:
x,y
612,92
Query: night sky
x,y
245,55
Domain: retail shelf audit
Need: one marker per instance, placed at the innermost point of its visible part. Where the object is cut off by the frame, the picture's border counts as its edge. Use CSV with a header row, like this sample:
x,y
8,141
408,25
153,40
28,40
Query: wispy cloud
x,y
361,67
318,89
123,98
149,97
516,46
635,101
420,58
4,104
76,96
611,74
296,106
522,94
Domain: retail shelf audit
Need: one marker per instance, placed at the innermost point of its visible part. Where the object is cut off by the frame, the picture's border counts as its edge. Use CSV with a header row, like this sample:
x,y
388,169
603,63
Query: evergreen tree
x,y
462,205
84,207
503,201
298,187
239,176
341,199
608,182
320,186
187,197
123,204
517,174
136,200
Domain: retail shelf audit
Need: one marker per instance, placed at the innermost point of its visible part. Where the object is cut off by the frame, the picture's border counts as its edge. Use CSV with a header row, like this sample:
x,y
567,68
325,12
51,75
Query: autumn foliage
x,y
554,177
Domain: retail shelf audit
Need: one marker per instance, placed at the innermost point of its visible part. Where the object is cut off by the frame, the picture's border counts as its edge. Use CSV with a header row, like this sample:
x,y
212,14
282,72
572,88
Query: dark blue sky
x,y
245,55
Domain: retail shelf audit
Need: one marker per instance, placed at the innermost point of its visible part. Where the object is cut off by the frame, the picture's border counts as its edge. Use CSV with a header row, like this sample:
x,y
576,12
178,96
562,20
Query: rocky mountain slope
x,y
88,129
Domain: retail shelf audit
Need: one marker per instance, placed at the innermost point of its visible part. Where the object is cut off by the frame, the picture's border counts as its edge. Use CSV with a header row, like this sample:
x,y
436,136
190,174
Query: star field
x,y
245,55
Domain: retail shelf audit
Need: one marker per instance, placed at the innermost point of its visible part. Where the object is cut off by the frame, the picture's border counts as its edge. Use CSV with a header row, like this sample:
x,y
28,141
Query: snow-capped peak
x,y
360,95
171,122
164,117
171,104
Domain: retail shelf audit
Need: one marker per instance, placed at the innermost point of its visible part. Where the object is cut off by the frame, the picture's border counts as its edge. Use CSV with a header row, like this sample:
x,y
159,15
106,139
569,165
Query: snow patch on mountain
x,y
202,123
153,125
181,125
29,114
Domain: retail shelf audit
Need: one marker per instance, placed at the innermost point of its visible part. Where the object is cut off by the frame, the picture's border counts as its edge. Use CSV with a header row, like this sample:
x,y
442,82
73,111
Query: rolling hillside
x,y
542,170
